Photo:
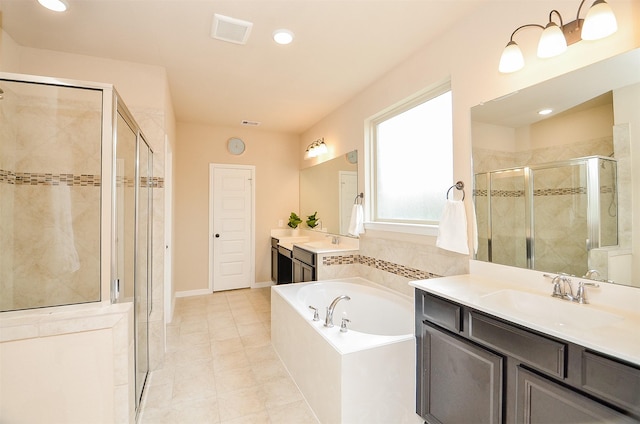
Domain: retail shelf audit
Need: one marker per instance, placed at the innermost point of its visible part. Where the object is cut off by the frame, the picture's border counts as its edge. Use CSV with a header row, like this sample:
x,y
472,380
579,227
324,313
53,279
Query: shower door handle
x,y
115,290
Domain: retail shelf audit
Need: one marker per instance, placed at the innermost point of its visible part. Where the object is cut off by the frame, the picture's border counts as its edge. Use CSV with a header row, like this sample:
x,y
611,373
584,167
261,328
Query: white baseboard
x,y
189,293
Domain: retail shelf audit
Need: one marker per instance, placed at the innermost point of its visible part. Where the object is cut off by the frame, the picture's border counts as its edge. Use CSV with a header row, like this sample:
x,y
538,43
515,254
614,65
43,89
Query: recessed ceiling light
x,y
545,111
55,5
283,36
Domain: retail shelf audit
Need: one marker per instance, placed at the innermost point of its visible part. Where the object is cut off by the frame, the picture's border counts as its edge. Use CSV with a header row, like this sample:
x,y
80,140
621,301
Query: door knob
x,y
217,235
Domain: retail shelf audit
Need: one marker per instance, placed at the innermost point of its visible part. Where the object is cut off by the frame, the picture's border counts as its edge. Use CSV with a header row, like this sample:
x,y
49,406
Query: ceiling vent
x,y
230,29
250,123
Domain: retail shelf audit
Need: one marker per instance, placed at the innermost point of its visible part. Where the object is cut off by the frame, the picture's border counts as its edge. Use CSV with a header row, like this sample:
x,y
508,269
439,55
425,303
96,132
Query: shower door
x,y
142,282
132,236
560,211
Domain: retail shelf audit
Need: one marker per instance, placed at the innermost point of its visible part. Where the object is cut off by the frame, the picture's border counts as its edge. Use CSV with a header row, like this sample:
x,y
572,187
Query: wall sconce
x,y
315,149
600,22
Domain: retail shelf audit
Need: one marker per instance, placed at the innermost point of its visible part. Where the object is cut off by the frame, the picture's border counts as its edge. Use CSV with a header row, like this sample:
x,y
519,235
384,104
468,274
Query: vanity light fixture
x,y
55,5
283,36
316,148
600,22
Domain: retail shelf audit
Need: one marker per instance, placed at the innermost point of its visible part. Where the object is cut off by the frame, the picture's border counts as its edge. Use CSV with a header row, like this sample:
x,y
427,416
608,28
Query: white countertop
x,y
315,241
618,337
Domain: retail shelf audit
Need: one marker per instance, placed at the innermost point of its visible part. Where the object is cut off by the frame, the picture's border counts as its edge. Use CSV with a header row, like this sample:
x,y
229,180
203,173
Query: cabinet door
x,y
297,271
539,400
308,273
461,382
274,265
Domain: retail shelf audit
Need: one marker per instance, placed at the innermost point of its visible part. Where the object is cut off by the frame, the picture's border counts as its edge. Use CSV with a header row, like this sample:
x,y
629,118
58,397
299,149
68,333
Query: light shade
x,y
283,36
315,149
55,5
600,22
552,41
511,59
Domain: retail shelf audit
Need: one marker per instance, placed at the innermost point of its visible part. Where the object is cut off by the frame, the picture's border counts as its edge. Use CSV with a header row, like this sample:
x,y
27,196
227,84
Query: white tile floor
x,y
220,366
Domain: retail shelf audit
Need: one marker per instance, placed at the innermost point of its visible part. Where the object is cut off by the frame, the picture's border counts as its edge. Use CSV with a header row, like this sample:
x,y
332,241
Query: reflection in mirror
x,y
329,189
554,193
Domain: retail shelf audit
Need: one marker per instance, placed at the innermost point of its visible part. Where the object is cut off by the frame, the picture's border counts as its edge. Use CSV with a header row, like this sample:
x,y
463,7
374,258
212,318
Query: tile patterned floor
x,y
220,366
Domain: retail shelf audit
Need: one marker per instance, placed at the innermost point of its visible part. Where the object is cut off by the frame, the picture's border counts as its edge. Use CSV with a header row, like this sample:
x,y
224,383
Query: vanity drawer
x,y
305,256
284,251
441,312
611,380
535,350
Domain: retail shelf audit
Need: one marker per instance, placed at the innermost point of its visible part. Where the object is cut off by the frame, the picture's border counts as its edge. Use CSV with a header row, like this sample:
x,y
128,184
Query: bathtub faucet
x,y
328,320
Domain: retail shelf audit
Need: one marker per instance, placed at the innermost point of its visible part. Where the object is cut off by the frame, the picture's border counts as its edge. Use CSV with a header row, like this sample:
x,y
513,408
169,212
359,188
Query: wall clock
x,y
235,146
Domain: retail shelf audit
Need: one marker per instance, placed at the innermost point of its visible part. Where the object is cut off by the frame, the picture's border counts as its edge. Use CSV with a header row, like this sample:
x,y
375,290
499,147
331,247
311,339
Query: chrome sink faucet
x,y
334,239
328,320
560,284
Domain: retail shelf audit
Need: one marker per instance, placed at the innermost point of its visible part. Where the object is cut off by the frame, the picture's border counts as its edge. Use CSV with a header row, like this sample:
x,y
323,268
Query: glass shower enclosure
x,y
548,216
75,191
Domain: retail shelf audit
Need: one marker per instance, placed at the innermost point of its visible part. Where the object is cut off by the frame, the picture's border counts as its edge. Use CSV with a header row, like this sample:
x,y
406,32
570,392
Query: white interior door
x,y
231,227
348,192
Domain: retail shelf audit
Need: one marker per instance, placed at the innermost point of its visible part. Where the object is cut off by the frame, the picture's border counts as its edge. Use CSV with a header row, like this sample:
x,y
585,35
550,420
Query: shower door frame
x,y
140,377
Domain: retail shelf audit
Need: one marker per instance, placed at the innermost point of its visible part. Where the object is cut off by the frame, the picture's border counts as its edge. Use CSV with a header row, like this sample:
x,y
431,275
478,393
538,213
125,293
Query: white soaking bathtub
x,y
366,375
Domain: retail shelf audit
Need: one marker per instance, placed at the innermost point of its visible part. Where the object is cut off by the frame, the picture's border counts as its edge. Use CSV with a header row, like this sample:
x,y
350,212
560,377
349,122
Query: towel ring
x,y
358,196
460,186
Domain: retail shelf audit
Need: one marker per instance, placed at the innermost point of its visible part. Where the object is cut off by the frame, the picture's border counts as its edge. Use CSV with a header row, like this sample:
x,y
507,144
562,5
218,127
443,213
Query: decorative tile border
x,y
71,180
538,192
47,179
393,268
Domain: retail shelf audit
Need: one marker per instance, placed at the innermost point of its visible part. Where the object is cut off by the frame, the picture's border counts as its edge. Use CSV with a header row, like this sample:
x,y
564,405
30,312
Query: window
x,y
411,149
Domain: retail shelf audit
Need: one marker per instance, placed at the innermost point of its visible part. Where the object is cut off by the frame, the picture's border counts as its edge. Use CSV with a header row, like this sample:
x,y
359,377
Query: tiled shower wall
x,y
50,189
561,188
40,166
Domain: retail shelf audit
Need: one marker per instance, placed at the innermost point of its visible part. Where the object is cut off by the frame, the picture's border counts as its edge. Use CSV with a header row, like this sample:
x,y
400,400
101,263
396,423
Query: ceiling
x,y
587,87
340,47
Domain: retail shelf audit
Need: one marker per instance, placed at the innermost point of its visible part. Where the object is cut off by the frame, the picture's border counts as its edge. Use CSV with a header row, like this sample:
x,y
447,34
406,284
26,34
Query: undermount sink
x,y
321,244
547,309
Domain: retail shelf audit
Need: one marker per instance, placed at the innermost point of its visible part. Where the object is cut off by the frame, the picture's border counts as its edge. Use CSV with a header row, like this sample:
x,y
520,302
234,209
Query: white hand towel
x,y
452,232
356,225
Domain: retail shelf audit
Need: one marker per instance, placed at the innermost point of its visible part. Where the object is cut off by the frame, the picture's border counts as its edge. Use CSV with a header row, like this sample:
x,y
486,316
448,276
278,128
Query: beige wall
x,y
9,51
469,54
275,157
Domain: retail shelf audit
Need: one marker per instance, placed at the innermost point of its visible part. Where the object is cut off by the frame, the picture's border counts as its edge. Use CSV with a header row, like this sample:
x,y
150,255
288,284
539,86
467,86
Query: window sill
x,y
425,230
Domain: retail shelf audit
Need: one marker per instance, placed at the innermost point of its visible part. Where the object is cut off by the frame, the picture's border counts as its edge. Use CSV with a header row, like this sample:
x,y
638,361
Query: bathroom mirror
x,y
534,206
329,188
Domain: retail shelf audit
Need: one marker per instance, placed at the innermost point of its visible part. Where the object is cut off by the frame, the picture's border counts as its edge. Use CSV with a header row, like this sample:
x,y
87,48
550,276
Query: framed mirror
x,y
554,192
330,188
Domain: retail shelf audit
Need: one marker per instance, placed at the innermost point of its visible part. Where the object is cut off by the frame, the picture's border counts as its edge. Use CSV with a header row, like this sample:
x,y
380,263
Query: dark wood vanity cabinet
x,y
274,260
476,368
281,263
304,265
460,382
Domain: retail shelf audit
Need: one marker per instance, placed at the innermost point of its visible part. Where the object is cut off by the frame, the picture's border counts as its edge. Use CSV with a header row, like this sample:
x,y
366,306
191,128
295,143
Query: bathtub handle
x,y
316,316
343,326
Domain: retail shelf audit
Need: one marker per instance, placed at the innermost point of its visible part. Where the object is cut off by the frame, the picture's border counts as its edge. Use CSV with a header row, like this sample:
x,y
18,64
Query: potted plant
x,y
294,220
312,221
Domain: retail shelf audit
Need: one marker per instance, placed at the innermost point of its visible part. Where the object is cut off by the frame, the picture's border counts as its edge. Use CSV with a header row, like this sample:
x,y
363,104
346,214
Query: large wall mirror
x,y
554,192
330,188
